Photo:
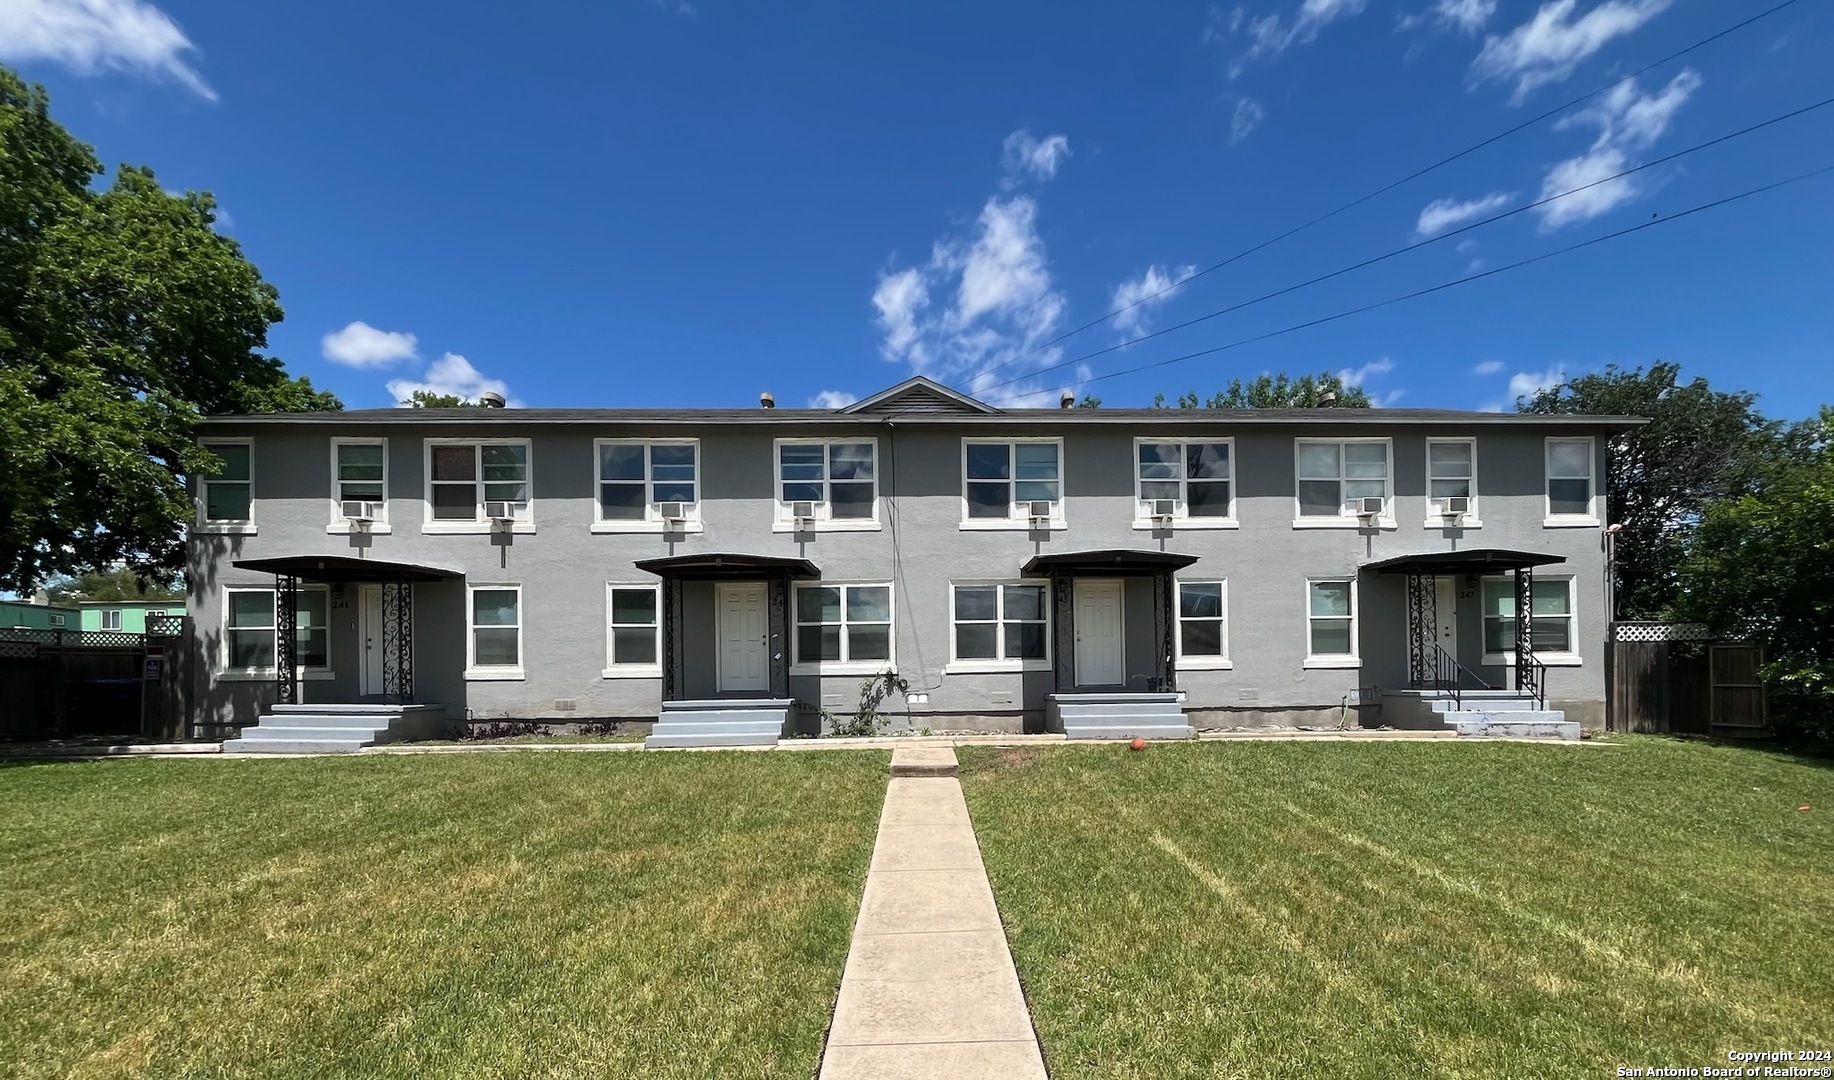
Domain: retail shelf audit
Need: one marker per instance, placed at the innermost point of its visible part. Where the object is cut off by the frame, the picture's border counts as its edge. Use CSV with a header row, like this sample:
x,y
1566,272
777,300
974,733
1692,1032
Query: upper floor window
x,y
494,618
836,481
111,619
1005,482
1000,627
250,631
1196,477
1571,487
1451,473
1203,624
359,480
226,495
464,477
1336,476
841,626
57,618
646,484
1551,630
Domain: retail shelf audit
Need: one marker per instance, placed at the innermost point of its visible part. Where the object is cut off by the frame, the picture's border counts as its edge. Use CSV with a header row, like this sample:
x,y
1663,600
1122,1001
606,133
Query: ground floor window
x,y
496,627
111,619
1203,619
844,624
1550,616
635,631
251,635
1000,623
1330,620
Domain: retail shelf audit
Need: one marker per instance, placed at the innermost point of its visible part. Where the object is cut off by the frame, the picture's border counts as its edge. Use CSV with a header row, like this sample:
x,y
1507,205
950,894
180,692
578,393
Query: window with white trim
x,y
1571,490
1335,475
57,618
633,630
226,496
1330,619
838,476
1451,470
844,624
494,626
359,473
250,634
1203,623
636,476
1000,624
1551,625
1196,474
111,619
464,475
1002,478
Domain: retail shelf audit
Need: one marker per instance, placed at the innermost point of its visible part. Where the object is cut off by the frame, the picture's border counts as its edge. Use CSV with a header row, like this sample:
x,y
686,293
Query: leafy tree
x,y
1762,567
428,399
124,316
1700,445
1089,401
1276,392
117,584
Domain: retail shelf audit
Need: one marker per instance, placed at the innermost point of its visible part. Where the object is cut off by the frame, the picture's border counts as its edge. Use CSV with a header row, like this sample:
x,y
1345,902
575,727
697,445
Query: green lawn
x,y
1411,909
527,915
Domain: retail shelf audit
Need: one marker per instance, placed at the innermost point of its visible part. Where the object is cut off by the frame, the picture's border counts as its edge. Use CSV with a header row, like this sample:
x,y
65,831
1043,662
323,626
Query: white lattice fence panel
x,y
1663,632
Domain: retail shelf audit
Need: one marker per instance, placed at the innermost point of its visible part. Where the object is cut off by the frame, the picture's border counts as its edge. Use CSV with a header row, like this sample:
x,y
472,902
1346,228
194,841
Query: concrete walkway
x,y
929,989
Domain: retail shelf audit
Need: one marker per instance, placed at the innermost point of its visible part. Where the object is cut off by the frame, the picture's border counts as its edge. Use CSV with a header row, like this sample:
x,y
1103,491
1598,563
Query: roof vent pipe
x,y
766,401
1068,400
490,399
1328,399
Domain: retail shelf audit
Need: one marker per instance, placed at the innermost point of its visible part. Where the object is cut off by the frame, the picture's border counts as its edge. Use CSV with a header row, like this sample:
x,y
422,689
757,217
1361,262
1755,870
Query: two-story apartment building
x,y
1248,567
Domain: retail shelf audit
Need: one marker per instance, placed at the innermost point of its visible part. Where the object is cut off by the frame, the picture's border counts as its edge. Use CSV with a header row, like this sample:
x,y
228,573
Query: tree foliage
x,y
118,584
429,399
124,316
1276,392
1700,445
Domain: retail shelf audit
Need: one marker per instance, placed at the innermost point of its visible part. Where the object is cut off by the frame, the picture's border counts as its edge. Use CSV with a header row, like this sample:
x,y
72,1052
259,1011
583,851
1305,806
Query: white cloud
x,y
1487,367
1529,383
832,399
1269,35
1248,116
1135,300
1548,47
1467,15
89,36
1360,376
1628,121
1467,246
361,345
1443,214
676,7
450,374
1039,158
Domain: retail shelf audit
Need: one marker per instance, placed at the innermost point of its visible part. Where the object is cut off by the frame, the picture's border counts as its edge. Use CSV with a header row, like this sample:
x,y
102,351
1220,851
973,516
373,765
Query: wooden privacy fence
x,y
58,684
1677,678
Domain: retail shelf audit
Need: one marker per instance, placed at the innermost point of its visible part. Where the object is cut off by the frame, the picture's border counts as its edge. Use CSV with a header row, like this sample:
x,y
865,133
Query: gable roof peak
x,y
920,394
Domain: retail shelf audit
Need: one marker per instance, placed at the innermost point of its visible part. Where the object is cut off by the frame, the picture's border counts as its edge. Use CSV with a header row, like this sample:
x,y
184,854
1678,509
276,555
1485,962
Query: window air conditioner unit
x,y
673,511
803,511
1369,507
355,510
1040,509
500,511
1164,508
1455,506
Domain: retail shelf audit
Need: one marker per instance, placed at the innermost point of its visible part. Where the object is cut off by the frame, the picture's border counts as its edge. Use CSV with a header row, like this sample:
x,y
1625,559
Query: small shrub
x,y
866,720
504,729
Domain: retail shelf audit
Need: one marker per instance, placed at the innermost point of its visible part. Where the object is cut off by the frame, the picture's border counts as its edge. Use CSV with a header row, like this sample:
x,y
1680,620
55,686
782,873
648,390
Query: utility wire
x,y
1448,284
1354,203
1447,235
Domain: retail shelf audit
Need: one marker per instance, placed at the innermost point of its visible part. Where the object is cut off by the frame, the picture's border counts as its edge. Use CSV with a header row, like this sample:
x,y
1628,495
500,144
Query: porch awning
x,y
1468,561
344,569
1107,561
723,567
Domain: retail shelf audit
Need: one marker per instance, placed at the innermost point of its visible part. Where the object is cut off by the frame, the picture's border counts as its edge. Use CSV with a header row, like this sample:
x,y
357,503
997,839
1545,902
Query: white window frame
x,y
1203,663
58,620
785,523
495,672
525,517
225,673
1015,519
226,526
339,523
1569,658
613,669
652,518
799,666
1434,519
1385,520
1551,520
111,615
1330,660
983,665
1181,518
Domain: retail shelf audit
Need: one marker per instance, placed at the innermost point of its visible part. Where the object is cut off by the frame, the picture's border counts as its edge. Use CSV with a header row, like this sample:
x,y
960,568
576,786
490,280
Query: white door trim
x,y
721,589
1445,613
370,630
1119,588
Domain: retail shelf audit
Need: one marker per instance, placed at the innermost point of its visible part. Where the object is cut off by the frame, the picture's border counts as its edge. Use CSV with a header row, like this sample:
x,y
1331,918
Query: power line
x,y
1447,235
1354,203
1448,284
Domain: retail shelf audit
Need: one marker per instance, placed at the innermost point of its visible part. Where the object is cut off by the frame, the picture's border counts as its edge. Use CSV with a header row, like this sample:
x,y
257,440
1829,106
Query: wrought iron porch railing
x,y
1449,676
1531,678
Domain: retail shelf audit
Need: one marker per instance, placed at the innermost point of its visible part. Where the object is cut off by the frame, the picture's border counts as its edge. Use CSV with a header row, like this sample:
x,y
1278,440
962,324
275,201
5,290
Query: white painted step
x,y
294,746
1121,727
660,738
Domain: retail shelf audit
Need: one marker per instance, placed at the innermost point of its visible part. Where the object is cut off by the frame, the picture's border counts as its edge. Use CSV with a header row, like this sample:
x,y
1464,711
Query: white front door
x,y
369,627
1445,606
744,638
1099,654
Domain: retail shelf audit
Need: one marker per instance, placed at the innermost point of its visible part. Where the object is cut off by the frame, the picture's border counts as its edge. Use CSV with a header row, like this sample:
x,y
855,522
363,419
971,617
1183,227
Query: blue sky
x,y
686,202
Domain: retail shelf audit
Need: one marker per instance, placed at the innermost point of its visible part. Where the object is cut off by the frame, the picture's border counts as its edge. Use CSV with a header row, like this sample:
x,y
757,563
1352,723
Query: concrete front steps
x,y
732,722
1481,713
337,729
1117,716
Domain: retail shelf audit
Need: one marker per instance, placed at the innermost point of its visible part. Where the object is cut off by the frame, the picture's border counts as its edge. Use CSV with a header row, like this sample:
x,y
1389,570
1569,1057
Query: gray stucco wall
x,y
563,567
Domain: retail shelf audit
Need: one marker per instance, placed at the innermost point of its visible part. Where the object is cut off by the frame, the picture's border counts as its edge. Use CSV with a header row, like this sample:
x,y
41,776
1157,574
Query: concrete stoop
x,y
1117,716
1513,724
735,722
1477,714
337,729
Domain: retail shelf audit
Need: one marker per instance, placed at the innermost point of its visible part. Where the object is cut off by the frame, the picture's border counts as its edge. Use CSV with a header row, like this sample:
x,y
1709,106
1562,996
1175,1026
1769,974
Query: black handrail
x,y
1532,679
1449,675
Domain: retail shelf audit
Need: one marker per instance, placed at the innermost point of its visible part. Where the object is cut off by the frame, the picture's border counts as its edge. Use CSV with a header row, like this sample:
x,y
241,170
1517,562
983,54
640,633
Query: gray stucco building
x,y
1219,568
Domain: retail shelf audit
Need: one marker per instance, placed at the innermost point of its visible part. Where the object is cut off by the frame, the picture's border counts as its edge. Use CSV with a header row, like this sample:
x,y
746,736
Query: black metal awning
x,y
727,567
1107,561
1468,561
343,569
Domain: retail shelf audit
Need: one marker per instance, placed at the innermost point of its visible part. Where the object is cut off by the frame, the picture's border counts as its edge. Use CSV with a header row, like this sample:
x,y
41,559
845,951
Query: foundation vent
x,y
565,704
1248,693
